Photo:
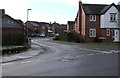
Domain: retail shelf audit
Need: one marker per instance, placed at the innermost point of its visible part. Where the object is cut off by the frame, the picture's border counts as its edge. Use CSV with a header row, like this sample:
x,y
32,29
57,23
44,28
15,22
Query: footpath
x,y
34,51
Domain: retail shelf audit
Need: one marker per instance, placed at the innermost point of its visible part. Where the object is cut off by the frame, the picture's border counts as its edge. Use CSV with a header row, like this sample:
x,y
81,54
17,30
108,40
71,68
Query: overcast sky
x,y
60,11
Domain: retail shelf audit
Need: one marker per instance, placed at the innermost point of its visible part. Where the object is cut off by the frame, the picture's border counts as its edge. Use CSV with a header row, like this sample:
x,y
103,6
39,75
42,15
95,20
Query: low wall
x,y
13,50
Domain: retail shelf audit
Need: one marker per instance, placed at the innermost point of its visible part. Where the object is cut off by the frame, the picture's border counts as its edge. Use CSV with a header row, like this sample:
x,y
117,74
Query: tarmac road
x,y
66,59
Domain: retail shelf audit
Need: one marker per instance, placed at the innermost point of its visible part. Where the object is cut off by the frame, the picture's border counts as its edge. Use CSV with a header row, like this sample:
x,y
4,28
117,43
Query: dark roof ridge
x,y
13,19
95,4
105,9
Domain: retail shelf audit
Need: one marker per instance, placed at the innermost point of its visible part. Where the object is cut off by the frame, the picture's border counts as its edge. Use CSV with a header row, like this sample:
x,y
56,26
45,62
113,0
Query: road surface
x,y
66,59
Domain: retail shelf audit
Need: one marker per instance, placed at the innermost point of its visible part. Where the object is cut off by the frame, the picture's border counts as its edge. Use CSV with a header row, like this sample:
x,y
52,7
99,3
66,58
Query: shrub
x,y
72,37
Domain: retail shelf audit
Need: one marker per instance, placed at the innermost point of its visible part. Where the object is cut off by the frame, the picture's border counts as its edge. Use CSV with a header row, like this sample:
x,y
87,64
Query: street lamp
x,y
29,40
27,19
28,14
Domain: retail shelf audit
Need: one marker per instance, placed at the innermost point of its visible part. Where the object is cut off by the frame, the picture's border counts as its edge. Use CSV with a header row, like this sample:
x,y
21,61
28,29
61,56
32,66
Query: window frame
x,y
92,32
92,17
108,32
113,17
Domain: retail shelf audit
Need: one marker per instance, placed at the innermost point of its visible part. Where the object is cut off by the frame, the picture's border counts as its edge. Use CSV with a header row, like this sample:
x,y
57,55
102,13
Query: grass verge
x,y
8,50
94,43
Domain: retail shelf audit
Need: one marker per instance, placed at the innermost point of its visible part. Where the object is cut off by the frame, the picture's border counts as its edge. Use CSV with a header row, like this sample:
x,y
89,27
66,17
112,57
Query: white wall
x,y
105,19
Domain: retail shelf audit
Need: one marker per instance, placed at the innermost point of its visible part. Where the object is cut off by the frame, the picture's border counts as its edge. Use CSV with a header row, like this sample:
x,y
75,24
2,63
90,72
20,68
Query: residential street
x,y
66,59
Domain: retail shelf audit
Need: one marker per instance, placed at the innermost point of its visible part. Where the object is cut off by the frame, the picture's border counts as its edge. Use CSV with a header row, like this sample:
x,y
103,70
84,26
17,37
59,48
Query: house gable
x,y
9,22
106,18
106,8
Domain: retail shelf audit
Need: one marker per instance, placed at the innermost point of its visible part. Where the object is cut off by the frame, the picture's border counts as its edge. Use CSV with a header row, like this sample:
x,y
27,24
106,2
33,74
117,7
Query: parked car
x,y
42,35
38,35
56,36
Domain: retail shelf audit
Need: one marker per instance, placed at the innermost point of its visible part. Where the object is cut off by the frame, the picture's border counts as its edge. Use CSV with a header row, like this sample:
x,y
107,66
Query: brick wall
x,y
92,24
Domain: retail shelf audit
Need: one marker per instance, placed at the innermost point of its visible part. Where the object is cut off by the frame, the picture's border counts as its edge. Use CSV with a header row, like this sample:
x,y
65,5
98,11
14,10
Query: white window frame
x,y
108,32
92,17
113,17
92,32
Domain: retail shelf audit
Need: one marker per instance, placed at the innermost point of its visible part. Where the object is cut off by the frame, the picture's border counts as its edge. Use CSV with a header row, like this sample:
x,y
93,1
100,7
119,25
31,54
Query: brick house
x,y
55,27
98,22
70,25
58,28
12,30
63,27
35,27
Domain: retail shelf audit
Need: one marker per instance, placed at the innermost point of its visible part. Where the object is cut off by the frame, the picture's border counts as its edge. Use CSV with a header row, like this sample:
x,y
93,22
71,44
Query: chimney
x,y
80,2
3,11
50,22
80,16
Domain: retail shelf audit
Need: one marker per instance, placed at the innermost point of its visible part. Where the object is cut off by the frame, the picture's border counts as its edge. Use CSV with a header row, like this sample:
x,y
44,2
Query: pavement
x,y
34,51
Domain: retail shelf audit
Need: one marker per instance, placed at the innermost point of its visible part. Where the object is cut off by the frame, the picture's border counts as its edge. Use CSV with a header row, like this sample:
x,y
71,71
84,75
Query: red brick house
x,y
70,25
63,27
98,22
35,27
55,27
58,28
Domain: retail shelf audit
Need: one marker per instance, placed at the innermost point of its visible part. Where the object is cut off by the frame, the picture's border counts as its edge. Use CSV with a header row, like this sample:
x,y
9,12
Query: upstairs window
x,y
113,17
92,17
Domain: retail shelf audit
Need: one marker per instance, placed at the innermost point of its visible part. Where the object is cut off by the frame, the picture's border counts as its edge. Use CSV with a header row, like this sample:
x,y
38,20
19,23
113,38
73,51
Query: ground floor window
x,y
108,32
92,32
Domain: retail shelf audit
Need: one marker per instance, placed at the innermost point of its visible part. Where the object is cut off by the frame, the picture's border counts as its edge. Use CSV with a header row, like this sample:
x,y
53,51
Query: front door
x,y
116,36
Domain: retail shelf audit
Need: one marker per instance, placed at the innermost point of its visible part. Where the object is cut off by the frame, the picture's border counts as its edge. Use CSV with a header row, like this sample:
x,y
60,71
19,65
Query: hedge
x,y
72,37
13,49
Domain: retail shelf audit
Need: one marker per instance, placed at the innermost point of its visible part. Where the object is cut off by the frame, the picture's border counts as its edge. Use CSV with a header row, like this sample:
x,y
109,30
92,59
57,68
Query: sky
x,y
60,11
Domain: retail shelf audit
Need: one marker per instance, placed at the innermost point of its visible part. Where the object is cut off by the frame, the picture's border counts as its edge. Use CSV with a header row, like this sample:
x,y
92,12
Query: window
x,y
113,17
92,17
92,33
108,32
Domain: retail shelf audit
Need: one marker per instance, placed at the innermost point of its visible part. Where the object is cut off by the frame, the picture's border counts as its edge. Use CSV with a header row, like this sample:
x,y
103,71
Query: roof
x,y
118,6
37,24
71,22
34,23
63,24
19,22
93,8
96,9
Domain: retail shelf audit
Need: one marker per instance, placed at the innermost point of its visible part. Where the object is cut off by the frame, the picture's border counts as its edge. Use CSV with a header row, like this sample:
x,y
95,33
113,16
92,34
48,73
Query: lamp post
x,y
29,40
28,14
27,20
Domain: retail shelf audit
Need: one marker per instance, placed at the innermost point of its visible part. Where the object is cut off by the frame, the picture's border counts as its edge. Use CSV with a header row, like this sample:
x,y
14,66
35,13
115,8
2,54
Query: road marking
x,y
101,52
82,55
26,62
90,54
7,63
98,53
38,60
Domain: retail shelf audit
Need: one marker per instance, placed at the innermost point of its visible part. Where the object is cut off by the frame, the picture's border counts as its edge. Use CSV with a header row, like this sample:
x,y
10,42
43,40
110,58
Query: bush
x,y
72,37
79,39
